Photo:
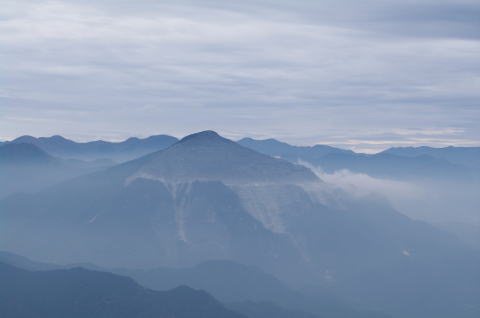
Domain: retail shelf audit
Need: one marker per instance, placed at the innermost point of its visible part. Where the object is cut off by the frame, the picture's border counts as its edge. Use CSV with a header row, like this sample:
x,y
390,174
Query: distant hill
x,y
24,153
80,293
119,151
25,167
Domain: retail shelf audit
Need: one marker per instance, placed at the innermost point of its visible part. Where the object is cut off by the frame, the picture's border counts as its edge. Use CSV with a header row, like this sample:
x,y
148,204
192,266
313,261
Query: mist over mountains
x,y
27,168
437,185
422,182
136,180
167,217
467,156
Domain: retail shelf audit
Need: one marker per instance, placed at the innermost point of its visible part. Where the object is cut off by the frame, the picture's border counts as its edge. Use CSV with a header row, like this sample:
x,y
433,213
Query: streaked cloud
x,y
369,75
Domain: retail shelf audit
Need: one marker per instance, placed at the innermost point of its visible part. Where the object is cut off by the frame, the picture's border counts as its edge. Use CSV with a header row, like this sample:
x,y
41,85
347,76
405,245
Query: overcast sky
x,y
364,75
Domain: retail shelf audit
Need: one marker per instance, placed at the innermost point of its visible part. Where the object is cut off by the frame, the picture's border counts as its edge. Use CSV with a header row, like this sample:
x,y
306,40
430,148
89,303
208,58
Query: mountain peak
x,y
24,139
206,135
208,156
58,137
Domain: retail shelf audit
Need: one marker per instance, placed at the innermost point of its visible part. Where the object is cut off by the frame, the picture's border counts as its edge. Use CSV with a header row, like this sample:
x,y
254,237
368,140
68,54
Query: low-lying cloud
x,y
452,206
361,185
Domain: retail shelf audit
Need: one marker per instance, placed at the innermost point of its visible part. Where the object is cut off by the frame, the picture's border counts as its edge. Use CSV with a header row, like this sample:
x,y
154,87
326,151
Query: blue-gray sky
x,y
364,75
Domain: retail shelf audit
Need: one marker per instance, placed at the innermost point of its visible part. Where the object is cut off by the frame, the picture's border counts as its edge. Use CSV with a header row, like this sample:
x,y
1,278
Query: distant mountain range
x,y
119,151
289,152
206,197
400,163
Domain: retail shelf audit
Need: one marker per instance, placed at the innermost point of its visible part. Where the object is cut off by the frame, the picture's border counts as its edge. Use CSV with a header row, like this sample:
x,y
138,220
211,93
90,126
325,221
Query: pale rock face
x,y
262,183
261,203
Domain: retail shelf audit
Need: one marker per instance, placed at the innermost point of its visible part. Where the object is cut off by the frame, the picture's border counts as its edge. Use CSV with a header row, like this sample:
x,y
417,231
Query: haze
x,y
239,159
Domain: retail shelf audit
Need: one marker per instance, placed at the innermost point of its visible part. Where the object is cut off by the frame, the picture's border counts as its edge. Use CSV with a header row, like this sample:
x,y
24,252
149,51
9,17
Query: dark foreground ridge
x,y
80,293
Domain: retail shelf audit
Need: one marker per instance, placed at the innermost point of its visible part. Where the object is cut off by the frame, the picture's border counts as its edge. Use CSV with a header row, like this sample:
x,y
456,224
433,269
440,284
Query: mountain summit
x,y
204,136
206,156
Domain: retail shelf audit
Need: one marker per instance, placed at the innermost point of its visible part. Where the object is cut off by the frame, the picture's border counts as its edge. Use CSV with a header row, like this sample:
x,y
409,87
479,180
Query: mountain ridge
x,y
79,293
124,150
386,164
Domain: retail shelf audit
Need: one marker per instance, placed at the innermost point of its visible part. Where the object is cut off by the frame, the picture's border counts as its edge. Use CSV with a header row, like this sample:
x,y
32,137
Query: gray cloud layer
x,y
363,75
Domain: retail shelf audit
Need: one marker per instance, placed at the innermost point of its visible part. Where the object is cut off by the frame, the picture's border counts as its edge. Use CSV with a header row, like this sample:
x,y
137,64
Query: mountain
x,y
466,156
83,293
24,153
119,151
447,178
207,198
394,163
283,150
206,156
27,168
170,204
